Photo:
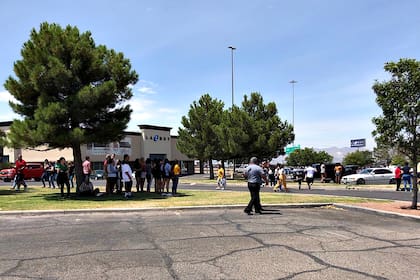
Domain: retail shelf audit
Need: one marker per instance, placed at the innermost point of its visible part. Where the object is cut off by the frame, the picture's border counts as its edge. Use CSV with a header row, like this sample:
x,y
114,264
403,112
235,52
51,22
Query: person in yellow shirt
x,y
281,180
175,177
220,178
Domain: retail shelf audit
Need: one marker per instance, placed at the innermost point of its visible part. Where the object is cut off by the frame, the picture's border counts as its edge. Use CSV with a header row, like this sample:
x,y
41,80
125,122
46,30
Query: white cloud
x,y
146,90
146,110
143,109
5,96
146,87
168,110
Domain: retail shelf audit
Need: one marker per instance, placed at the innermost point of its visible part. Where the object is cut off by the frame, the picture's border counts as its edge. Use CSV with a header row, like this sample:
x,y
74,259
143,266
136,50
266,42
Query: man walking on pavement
x,y
255,176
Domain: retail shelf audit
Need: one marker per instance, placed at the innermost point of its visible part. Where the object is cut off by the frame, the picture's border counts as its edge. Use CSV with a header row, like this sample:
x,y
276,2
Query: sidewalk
x,y
392,207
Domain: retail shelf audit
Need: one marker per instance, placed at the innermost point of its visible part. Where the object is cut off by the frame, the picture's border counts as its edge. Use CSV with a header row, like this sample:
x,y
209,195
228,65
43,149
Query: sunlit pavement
x,y
313,243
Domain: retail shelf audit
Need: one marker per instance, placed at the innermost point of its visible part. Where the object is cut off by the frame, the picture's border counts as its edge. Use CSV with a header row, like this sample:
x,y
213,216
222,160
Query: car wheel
x,y
360,181
7,180
37,179
392,181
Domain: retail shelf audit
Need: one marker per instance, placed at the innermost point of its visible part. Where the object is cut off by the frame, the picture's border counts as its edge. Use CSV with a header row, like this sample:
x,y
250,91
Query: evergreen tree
x,y
267,134
232,133
198,137
69,91
210,132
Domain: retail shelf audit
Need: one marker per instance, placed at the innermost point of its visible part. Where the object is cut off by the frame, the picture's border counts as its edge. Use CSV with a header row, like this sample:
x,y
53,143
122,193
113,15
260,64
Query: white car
x,y
370,176
240,169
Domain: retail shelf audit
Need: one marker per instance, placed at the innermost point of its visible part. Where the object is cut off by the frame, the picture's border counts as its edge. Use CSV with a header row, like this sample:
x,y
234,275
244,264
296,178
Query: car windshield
x,y
366,171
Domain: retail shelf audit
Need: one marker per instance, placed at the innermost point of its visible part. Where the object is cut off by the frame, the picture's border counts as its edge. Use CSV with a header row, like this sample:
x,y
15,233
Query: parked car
x,y
298,174
350,169
370,176
97,175
329,170
240,169
288,171
33,170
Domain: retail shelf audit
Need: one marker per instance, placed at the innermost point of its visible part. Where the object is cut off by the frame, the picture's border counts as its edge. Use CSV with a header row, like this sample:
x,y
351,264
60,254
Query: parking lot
x,y
313,243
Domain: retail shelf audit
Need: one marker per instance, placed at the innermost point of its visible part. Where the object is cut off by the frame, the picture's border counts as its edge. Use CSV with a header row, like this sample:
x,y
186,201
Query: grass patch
x,y
47,199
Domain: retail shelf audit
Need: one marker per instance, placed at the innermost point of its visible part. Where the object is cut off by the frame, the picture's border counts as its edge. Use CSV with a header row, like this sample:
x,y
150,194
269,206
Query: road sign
x,y
289,150
357,143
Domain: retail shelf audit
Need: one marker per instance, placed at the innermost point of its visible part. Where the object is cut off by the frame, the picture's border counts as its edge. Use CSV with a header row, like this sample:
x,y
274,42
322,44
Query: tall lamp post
x,y
231,51
293,82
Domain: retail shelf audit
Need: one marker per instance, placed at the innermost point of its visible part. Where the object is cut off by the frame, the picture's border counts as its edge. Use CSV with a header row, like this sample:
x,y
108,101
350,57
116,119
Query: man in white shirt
x,y
309,173
127,176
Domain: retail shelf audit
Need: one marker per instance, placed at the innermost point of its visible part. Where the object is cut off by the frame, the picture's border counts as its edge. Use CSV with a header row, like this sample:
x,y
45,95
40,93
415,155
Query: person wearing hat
x,y
255,176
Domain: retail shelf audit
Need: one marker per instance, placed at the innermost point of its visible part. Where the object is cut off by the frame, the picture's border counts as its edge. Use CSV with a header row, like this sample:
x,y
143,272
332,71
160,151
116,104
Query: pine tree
x,y
69,91
198,138
267,134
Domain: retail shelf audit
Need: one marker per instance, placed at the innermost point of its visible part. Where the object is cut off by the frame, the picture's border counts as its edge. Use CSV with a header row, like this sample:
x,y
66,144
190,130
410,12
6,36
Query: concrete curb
x,y
134,210
378,212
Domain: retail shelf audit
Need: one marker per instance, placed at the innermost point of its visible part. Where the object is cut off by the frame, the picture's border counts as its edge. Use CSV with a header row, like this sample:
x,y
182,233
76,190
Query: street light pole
x,y
231,52
293,82
232,49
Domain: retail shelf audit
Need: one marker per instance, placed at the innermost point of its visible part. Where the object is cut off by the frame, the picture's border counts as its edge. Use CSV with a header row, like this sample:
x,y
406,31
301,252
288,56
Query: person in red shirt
x,y
20,165
398,176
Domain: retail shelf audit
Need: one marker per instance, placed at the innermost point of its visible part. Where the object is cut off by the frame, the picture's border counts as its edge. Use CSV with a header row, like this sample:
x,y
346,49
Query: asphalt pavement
x,y
311,243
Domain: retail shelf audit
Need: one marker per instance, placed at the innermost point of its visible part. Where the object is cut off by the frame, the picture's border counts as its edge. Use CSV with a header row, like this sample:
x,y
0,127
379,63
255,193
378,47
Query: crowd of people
x,y
54,172
119,175
158,173
276,176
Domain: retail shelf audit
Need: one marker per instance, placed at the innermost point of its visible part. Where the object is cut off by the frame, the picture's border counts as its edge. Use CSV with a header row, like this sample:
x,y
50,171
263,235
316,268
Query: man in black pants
x,y
254,174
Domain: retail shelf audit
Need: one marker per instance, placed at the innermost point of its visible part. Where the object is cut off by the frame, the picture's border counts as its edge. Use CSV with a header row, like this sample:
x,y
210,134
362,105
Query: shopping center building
x,y
154,142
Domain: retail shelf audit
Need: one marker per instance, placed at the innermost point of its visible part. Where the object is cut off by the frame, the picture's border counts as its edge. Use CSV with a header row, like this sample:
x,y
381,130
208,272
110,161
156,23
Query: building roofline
x,y
146,126
132,133
7,123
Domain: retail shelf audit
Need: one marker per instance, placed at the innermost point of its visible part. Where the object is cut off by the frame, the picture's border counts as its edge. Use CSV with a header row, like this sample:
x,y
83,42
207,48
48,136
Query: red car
x,y
33,170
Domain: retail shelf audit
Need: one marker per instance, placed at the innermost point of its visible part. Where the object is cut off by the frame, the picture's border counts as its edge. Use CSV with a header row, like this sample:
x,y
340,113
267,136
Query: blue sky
x,y
334,49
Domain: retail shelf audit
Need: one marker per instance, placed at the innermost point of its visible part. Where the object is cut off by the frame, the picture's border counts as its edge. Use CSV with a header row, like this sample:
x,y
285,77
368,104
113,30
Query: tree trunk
x,y
201,166
414,194
78,170
415,185
211,169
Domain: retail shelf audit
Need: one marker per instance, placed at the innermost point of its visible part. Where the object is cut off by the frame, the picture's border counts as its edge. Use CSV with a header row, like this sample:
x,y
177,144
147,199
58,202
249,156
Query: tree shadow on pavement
x,y
113,197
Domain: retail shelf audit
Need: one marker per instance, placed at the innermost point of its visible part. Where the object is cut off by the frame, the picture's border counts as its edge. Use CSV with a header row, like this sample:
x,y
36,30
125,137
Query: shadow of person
x,y
270,212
